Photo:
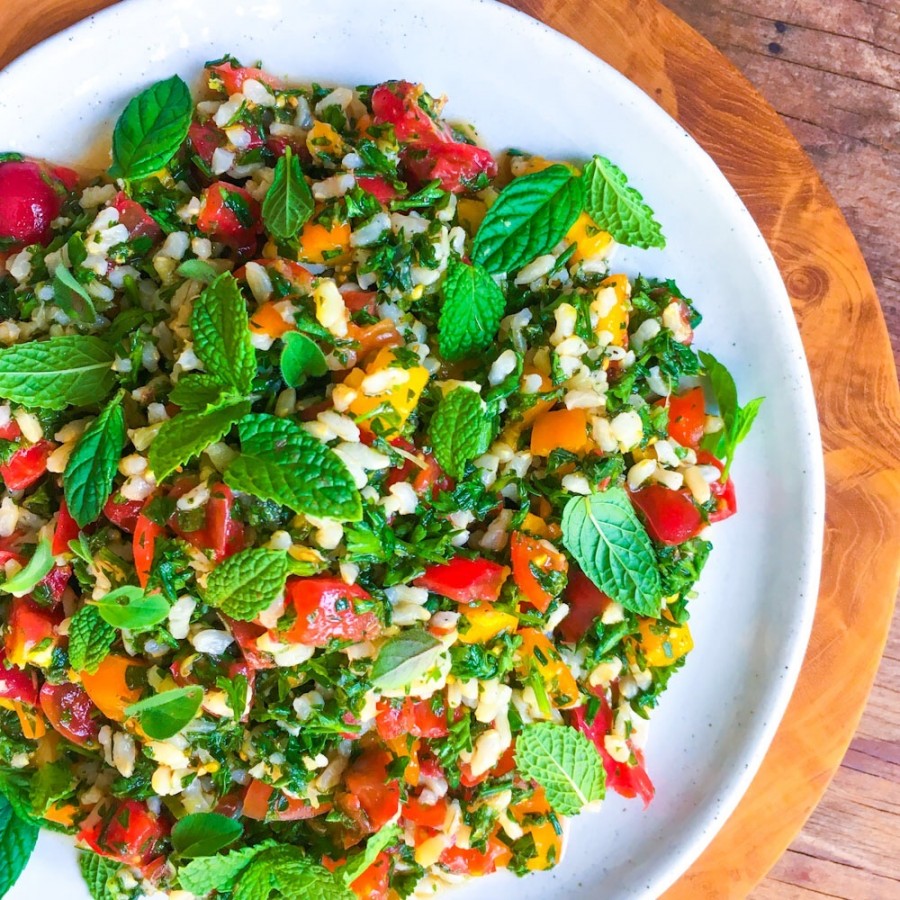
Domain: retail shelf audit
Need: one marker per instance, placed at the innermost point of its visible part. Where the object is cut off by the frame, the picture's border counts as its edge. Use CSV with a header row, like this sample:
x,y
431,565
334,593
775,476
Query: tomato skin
x,y
726,498
371,800
325,610
70,711
233,77
380,188
55,582
476,862
454,164
669,516
586,601
10,431
465,580
246,634
146,531
31,197
26,465
66,530
131,834
123,513
205,138
20,685
528,552
222,224
687,416
356,301
425,815
373,884
414,717
30,626
396,103
221,534
135,218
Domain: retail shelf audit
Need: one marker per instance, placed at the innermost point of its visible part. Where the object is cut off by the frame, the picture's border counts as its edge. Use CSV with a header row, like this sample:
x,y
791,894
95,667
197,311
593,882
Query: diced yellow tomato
x,y
61,815
470,211
324,246
589,240
47,749
614,318
322,138
531,164
400,747
267,320
402,399
535,525
537,653
486,622
547,845
108,686
32,722
564,429
663,642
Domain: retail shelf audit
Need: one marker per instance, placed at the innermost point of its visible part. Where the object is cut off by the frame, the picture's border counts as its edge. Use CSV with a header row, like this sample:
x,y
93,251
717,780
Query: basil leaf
x,y
617,208
89,474
530,217
471,312
32,572
73,370
245,584
90,639
222,334
603,533
218,873
164,715
187,435
65,292
198,270
300,359
405,658
461,430
99,873
151,129
17,840
199,393
564,763
381,840
203,834
288,203
280,461
130,608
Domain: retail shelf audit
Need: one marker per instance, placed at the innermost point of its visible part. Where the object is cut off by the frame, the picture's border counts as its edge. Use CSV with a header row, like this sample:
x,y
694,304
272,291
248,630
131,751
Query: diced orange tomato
x,y
560,429
687,416
324,246
530,553
32,633
547,845
495,856
32,722
267,320
400,747
538,409
589,240
258,805
373,884
426,815
108,686
470,211
537,653
486,623
664,643
322,138
615,320
62,815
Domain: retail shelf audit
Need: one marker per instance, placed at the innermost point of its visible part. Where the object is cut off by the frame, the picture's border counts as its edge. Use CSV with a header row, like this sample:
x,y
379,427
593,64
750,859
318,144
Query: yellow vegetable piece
x,y
560,429
486,623
614,319
537,654
589,240
393,405
324,246
61,815
322,138
664,643
109,686
470,212
547,844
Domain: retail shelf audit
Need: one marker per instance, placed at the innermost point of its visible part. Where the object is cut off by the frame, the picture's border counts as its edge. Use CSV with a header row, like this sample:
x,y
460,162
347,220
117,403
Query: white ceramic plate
x,y
526,86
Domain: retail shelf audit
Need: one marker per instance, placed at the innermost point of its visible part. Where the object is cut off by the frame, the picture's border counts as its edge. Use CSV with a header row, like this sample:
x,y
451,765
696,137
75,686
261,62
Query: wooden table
x,y
833,70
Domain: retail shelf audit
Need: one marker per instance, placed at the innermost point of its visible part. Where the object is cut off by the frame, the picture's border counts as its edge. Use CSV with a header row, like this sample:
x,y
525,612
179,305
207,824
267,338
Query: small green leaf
x,y
609,543
100,875
245,584
73,370
90,638
530,217
564,763
53,781
151,129
288,203
165,714
203,834
471,312
198,270
218,873
405,658
381,840
130,608
67,292
199,393
461,430
89,474
17,840
617,208
300,359
32,572
285,871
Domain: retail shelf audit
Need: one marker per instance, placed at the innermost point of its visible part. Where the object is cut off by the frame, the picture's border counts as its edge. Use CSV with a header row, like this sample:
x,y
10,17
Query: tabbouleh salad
x,y
352,504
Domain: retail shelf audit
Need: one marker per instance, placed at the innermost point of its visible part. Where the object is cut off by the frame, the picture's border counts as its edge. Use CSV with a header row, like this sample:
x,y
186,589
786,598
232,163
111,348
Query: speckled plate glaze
x,y
526,86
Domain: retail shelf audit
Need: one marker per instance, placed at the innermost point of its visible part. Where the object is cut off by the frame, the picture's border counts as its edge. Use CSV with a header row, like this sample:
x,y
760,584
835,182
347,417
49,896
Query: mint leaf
x,y
222,334
73,370
531,216
280,461
288,203
737,419
187,435
130,608
301,358
381,840
603,533
617,208
203,834
164,715
285,871
17,840
151,129
98,873
471,312
72,297
51,782
32,572
461,430
564,763
218,873
90,638
405,658
245,584
198,270
89,474
198,393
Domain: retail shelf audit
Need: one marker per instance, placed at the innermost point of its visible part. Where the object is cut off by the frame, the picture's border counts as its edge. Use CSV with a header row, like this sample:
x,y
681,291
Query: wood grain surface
x,y
856,390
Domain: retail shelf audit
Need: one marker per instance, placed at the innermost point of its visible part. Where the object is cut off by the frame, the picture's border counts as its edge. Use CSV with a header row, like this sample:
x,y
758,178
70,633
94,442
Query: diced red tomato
x,y
31,196
219,220
505,765
17,684
476,862
221,534
70,711
427,479
30,627
129,833
26,465
260,806
146,531
135,218
206,138
123,513
10,431
372,800
233,77
687,416
454,164
356,301
465,580
629,781
380,188
396,103
723,491
246,634
529,553
326,609
585,601
56,581
669,516
66,530
418,718
424,814
373,884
